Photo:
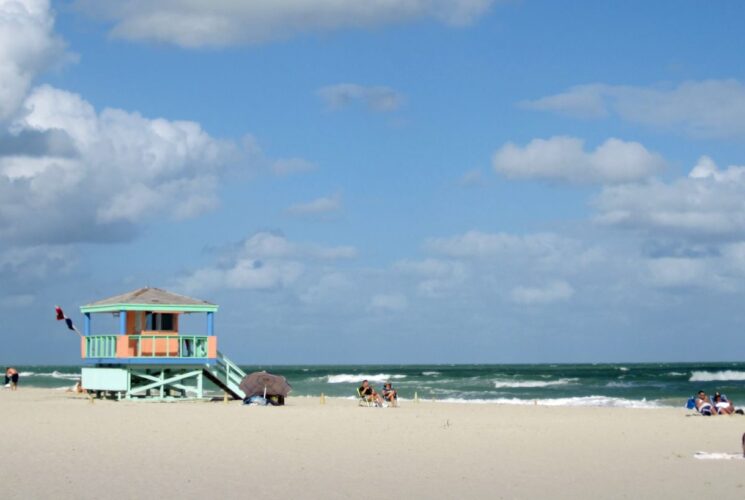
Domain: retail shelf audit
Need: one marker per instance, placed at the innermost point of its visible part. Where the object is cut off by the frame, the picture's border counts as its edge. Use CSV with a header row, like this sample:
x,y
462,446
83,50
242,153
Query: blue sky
x,y
410,182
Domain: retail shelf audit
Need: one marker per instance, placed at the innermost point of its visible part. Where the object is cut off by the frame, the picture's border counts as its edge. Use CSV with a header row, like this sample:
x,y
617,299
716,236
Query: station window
x,y
161,321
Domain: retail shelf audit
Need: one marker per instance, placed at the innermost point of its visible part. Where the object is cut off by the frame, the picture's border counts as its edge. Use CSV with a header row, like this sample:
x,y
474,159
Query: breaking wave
x,y
346,378
704,376
591,401
524,384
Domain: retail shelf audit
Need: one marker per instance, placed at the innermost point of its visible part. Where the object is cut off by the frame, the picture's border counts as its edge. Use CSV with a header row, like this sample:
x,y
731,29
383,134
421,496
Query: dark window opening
x,y
161,321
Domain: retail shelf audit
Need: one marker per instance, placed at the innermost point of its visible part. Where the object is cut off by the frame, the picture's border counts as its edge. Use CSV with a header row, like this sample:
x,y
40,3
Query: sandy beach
x,y
59,445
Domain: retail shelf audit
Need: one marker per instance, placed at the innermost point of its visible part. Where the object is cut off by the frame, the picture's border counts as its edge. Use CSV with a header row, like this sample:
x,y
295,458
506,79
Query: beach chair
x,y
363,401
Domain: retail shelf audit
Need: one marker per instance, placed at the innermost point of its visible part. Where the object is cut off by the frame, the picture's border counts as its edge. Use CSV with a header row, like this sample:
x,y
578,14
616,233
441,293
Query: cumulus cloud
x,y
436,276
227,22
289,166
28,46
24,269
107,171
471,178
708,204
263,261
565,159
344,95
483,245
390,302
680,272
320,206
556,291
708,108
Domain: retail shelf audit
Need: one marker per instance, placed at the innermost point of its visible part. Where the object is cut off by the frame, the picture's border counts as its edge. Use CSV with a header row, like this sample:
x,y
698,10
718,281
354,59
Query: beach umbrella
x,y
263,383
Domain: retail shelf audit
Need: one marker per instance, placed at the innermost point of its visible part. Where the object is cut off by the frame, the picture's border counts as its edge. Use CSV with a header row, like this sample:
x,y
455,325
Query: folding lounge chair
x,y
363,401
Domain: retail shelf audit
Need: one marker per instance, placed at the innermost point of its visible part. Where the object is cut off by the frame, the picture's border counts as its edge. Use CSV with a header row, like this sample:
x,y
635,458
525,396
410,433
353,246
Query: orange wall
x,y
161,347
132,322
212,347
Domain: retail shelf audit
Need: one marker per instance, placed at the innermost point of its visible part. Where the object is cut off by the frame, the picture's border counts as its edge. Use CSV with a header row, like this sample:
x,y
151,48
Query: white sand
x,y
57,445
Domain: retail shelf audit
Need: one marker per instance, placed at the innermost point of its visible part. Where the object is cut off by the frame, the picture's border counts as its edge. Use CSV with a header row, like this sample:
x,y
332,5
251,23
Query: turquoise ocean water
x,y
621,385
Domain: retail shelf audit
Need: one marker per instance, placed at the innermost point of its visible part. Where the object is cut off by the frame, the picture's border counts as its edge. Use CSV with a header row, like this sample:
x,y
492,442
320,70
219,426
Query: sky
x,y
419,181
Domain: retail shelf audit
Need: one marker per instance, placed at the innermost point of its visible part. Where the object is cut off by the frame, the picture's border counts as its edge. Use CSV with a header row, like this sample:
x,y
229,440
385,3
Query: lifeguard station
x,y
149,357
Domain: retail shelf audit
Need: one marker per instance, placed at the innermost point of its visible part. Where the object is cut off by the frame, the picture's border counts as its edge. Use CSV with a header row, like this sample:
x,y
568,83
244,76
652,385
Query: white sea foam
x,y
704,376
54,374
619,384
675,374
506,383
346,378
703,455
623,369
427,374
595,401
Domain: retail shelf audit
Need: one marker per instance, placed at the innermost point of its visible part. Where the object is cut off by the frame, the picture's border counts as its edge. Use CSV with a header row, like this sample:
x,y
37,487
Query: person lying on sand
x,y
390,394
367,392
704,405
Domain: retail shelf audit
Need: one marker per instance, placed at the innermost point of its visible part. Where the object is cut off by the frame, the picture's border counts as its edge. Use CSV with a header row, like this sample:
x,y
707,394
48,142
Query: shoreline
x,y
592,401
64,446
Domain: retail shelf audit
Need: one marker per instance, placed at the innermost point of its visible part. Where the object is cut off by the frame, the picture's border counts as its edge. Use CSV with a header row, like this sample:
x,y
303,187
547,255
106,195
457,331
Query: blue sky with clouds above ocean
x,y
412,181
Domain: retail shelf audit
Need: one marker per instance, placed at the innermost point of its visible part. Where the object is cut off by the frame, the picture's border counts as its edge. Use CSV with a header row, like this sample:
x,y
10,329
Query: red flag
x,y
68,321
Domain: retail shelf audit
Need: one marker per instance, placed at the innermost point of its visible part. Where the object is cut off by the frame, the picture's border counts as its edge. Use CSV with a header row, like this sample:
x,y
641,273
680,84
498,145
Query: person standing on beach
x,y
11,377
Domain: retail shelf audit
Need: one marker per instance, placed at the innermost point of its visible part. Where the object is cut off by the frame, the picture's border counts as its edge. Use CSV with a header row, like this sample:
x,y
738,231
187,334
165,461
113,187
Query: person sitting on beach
x,y
77,388
704,405
11,378
723,406
367,392
390,394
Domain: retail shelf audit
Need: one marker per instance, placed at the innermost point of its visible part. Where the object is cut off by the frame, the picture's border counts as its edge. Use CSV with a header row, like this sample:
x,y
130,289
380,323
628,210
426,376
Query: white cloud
x,y
436,276
320,206
28,46
708,108
343,95
290,166
471,178
709,203
16,301
477,244
266,245
263,261
556,291
392,302
683,272
333,289
227,22
24,271
564,159
125,169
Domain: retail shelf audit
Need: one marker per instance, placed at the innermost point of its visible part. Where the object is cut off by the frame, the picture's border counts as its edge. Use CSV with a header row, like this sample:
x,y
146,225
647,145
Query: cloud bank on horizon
x,y
576,222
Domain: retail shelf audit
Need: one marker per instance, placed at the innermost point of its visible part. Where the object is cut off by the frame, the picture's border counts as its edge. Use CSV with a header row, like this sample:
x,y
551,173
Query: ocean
x,y
630,385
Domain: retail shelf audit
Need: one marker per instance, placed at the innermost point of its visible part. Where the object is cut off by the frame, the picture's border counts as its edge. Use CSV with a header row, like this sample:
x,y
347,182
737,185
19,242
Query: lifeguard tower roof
x,y
149,299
